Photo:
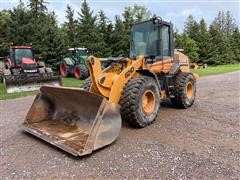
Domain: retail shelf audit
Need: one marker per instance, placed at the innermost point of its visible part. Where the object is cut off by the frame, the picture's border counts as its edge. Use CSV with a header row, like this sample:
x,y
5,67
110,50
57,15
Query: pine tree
x,y
190,49
88,33
70,28
19,25
119,39
203,41
38,7
104,28
51,41
191,28
4,31
220,51
235,44
225,23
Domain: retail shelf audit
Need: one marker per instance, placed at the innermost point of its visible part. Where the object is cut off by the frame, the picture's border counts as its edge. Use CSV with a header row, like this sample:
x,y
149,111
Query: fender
x,y
147,72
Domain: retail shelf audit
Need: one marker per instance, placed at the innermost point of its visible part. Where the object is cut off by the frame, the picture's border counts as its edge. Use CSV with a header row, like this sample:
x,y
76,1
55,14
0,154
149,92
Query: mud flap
x,y
72,119
21,83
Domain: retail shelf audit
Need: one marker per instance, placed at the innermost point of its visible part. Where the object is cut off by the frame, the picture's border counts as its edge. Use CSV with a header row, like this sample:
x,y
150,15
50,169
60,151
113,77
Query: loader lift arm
x,y
110,84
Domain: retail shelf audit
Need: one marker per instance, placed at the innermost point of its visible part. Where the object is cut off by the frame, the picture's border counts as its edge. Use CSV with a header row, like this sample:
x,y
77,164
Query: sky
x,y
175,11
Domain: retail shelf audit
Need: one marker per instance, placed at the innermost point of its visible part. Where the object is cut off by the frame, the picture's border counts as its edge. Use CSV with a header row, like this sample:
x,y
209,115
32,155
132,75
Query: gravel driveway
x,y
202,142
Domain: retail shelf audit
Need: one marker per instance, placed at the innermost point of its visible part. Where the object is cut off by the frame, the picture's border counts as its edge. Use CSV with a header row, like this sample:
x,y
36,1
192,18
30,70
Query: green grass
x,y
5,95
217,69
71,82
68,82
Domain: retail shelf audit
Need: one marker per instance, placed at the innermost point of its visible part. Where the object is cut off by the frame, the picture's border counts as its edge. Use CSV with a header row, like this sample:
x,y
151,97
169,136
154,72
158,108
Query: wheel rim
x,y
77,73
189,90
148,102
63,69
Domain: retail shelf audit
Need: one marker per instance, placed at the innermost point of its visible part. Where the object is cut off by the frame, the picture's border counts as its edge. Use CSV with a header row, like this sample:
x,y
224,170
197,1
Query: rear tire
x,y
64,69
42,64
16,71
41,70
184,91
81,71
87,84
7,72
49,70
136,107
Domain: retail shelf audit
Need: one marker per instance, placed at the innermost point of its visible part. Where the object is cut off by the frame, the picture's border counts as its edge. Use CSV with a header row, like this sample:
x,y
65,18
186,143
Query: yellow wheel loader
x,y
131,89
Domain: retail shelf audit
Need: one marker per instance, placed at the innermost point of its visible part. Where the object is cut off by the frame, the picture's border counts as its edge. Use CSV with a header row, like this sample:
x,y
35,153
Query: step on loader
x,y
80,121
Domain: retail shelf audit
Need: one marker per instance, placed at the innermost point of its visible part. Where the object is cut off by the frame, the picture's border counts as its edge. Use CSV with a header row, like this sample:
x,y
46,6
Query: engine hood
x,y
28,61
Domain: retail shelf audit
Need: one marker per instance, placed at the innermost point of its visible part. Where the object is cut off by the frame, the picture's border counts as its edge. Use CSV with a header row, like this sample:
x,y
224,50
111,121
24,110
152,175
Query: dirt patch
x,y
202,142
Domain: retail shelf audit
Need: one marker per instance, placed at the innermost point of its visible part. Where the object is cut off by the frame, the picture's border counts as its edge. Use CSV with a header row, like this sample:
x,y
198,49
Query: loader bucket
x,y
21,83
72,119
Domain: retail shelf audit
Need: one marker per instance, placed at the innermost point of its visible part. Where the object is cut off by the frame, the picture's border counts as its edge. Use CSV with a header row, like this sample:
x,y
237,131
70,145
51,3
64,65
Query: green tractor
x,y
74,63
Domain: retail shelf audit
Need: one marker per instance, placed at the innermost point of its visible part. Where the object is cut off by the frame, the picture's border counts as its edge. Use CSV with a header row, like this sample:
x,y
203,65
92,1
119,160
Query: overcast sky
x,y
172,10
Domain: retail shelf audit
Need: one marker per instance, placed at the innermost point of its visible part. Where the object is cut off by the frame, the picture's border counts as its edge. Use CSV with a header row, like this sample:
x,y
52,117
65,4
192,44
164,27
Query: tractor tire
x,y
184,90
16,71
48,70
7,72
140,101
42,64
2,68
87,84
81,72
41,70
64,69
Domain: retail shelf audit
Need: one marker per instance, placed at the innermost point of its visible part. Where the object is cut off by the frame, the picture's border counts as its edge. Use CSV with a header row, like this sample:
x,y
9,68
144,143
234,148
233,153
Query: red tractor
x,y
21,72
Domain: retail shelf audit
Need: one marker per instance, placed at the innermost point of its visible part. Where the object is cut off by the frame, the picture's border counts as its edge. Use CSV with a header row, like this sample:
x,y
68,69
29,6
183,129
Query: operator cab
x,y
77,52
152,38
17,53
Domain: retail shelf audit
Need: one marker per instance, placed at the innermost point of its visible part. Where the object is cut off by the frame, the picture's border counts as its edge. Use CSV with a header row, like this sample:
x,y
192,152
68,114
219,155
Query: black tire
x,y
81,71
42,64
41,70
87,84
7,72
16,71
181,81
66,72
48,70
2,68
131,101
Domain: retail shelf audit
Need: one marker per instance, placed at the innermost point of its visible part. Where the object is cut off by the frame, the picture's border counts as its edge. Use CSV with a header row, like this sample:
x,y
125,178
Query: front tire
x,y
87,84
64,70
81,72
140,101
184,91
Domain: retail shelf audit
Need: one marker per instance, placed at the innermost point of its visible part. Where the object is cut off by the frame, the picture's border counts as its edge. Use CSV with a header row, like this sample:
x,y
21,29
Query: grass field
x,y
217,69
71,82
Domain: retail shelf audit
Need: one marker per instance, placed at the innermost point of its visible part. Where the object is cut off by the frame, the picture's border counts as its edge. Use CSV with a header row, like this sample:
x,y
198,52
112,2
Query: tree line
x,y
217,44
33,24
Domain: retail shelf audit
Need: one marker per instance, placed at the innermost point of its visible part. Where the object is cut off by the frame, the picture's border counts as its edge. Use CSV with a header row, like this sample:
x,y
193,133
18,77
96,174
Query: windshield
x,y
144,39
22,53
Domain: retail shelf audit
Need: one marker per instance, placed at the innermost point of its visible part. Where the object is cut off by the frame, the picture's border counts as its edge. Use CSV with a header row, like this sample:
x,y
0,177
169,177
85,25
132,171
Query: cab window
x,y
166,40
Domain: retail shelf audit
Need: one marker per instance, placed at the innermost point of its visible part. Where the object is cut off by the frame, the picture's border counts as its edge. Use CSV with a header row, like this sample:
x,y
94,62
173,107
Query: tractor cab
x,y
78,53
21,55
152,38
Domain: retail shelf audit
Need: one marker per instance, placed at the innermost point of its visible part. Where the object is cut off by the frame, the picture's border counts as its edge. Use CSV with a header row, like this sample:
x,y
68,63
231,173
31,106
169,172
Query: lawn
x,y
211,70
68,82
71,82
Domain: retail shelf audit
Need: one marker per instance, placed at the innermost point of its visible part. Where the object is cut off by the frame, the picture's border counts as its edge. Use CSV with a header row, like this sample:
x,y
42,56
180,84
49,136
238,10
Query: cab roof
x,y
21,47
